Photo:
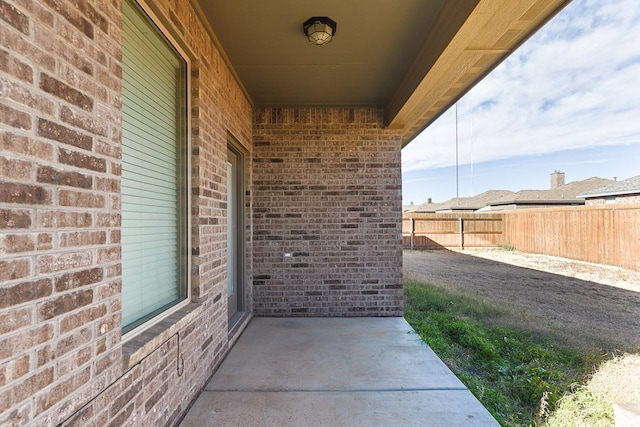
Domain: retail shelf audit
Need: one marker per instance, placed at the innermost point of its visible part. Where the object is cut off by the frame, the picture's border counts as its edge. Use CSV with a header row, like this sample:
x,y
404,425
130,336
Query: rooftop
x,y
563,194
628,186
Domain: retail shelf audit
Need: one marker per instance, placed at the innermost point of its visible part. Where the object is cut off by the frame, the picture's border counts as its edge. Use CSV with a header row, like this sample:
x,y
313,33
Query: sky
x,y
568,99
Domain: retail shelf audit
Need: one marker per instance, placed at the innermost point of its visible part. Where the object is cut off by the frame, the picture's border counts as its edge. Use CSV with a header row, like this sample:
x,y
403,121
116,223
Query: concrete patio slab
x,y
334,372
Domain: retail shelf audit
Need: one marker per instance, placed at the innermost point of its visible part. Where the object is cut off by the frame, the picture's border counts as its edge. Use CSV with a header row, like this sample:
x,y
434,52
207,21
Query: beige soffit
x,y
493,30
414,58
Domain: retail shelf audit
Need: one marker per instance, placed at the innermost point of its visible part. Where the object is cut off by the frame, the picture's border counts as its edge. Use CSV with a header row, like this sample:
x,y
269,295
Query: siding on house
x,y
626,191
62,359
327,192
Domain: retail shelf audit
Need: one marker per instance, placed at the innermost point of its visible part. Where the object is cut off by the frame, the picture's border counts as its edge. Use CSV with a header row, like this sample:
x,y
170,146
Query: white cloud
x,y
575,84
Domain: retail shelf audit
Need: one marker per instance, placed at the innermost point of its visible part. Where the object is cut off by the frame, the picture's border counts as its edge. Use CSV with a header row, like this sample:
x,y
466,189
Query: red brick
x,y
82,318
49,175
13,319
63,261
110,185
38,12
155,397
15,67
71,14
25,292
32,385
115,236
127,396
101,346
106,43
17,243
108,290
344,177
62,390
65,92
81,399
81,199
72,341
65,303
108,220
14,269
88,123
90,12
63,134
81,160
77,279
83,238
109,148
14,17
19,416
78,61
59,219
24,194
15,219
82,418
107,256
116,168
14,369
45,241
25,48
24,145
31,98
44,355
107,361
109,79
14,118
115,202
122,417
24,341
15,169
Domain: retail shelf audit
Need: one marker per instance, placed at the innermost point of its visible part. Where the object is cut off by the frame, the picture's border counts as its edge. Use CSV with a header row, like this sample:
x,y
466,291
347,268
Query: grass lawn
x,y
521,376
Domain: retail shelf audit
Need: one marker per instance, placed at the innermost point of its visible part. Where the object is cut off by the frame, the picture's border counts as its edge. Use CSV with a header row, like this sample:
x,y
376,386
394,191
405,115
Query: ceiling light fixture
x,y
319,29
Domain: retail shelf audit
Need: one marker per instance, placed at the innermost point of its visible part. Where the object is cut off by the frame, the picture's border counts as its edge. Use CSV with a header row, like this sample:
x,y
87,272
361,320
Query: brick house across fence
x,y
171,168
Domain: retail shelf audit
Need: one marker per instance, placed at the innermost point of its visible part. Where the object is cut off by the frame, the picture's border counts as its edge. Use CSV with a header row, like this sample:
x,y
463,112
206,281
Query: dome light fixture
x,y
319,29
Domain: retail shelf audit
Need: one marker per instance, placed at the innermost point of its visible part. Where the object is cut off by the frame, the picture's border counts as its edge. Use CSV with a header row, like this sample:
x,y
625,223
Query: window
x,y
155,196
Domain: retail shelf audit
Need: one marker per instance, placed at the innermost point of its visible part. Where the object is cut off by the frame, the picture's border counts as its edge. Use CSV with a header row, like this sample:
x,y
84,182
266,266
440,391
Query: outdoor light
x,y
319,29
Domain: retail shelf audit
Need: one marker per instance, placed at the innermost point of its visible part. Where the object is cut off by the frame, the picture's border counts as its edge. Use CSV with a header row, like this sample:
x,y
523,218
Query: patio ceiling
x,y
414,58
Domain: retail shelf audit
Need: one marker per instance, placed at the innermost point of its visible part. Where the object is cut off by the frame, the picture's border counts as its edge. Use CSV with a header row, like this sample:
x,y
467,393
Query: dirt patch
x,y
591,305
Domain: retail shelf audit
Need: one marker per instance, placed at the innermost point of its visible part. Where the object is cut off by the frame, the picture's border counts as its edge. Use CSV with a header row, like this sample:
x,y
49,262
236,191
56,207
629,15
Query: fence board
x,y
608,234
603,234
433,231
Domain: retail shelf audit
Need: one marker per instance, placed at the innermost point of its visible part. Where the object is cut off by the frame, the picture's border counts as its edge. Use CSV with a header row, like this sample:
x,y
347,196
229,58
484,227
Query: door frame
x,y
237,268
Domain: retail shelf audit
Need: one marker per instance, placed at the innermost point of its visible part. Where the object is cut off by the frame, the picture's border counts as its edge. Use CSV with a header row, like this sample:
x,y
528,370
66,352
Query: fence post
x,y
413,229
461,233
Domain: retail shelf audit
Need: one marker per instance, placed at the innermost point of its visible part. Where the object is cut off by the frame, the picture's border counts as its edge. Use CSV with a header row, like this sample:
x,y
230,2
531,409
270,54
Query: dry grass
x,y
591,405
591,308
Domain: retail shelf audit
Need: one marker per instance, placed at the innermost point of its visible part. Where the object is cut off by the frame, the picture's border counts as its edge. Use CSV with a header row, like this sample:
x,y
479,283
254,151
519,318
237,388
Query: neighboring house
x,y
428,206
171,168
472,204
562,195
627,191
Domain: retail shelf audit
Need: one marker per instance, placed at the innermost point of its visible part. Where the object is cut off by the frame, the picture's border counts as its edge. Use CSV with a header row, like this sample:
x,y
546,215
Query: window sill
x,y
149,340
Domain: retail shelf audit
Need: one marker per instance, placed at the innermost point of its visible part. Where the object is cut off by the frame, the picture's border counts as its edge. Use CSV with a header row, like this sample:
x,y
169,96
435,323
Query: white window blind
x,y
153,171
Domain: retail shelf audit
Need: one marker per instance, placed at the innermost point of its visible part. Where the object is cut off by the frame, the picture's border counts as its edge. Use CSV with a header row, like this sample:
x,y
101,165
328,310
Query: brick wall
x,y
327,190
61,355
631,198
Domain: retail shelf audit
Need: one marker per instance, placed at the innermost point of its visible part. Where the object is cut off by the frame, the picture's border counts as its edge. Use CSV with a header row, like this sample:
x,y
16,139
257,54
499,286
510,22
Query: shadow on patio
x,y
334,372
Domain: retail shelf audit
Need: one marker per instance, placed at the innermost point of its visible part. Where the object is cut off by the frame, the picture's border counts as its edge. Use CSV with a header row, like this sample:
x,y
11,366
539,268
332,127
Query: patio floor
x,y
334,372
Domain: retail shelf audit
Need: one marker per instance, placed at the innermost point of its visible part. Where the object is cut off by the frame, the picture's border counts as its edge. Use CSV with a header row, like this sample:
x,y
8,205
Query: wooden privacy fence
x,y
603,234
465,230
